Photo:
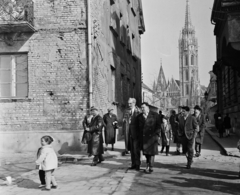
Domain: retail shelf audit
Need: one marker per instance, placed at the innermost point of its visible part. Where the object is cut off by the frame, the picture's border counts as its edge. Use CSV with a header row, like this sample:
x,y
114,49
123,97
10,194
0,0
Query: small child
x,y
48,162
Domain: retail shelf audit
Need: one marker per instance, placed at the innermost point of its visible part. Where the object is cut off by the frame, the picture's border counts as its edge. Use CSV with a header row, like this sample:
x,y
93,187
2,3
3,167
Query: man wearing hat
x,y
200,135
130,133
110,121
188,127
95,128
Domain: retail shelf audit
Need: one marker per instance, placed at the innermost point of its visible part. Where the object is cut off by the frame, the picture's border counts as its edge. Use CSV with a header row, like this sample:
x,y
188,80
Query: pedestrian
x,y
166,134
216,119
174,127
86,139
131,140
161,116
95,128
220,125
179,142
188,127
202,126
227,125
149,129
234,124
48,162
110,121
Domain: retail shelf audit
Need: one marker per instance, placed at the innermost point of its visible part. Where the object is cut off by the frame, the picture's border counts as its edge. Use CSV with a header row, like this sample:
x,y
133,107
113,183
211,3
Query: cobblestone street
x,y
212,173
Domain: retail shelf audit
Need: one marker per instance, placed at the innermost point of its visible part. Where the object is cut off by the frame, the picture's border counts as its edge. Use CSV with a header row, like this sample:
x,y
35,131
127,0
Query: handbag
x,y
86,137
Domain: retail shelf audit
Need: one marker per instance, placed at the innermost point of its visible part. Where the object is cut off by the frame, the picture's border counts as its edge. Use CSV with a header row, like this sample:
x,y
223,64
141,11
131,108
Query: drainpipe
x,y
89,45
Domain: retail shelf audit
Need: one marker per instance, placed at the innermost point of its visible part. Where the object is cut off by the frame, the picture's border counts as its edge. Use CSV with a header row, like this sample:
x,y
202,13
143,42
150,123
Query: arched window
x,y
186,75
192,59
186,60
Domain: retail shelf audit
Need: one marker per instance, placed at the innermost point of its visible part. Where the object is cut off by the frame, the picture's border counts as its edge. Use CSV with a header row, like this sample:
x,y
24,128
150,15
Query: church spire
x,y
188,23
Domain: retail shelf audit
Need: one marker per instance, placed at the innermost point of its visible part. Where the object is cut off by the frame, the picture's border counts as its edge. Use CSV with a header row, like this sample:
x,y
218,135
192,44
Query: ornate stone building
x,y
187,90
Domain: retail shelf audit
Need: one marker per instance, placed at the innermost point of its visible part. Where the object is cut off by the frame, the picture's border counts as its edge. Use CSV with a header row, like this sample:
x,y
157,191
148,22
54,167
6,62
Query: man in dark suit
x,y
188,127
131,133
149,128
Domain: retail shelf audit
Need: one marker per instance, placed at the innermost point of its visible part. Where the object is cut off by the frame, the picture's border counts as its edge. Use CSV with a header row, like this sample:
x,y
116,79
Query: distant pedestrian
x,y
227,125
110,121
166,135
95,128
130,132
48,162
202,126
179,142
234,124
174,126
86,139
216,119
220,125
149,128
188,127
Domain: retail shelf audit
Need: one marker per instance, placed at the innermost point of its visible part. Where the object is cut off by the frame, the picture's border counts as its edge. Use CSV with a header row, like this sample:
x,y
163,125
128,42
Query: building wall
x,y
58,95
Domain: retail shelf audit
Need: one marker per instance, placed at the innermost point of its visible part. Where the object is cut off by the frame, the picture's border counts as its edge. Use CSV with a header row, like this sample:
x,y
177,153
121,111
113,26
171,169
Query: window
x,y
187,90
192,60
186,75
186,60
13,76
112,83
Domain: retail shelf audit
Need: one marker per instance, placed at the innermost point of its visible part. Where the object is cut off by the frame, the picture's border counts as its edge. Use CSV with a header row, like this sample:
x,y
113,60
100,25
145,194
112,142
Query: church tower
x,y
188,63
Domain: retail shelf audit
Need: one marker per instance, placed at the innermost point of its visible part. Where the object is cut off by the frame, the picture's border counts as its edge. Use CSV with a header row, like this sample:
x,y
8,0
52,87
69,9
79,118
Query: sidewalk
x,y
228,144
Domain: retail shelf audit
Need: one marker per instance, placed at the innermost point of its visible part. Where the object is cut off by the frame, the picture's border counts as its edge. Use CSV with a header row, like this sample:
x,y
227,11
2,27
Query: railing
x,y
12,11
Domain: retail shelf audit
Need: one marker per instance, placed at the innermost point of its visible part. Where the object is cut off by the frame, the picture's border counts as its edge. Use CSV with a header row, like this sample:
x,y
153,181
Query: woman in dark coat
x,y
86,138
95,128
200,135
110,121
166,135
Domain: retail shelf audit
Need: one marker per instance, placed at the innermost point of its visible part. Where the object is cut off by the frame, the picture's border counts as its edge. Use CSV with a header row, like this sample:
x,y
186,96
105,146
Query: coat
x,y
47,159
129,126
201,123
189,128
110,128
166,134
174,125
148,132
96,142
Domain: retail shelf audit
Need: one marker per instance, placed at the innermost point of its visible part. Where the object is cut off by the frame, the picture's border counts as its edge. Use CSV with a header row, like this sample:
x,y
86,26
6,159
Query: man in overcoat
x,y
188,128
95,128
149,128
130,132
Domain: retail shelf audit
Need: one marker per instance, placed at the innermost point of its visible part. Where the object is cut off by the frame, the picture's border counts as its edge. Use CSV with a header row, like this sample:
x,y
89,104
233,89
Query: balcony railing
x,y
16,15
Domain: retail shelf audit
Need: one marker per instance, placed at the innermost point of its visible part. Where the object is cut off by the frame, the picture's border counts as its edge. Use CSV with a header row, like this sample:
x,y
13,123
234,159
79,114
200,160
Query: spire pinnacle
x,y
188,23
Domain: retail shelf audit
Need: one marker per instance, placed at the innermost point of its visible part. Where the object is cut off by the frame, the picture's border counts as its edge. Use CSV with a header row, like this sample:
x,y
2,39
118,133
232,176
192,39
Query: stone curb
x,y
225,151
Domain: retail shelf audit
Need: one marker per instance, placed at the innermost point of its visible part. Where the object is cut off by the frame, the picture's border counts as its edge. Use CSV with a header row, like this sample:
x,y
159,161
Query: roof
x,y
178,82
146,87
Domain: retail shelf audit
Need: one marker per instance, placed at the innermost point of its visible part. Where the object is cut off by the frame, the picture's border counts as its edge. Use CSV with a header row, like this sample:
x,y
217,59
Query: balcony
x,y
16,16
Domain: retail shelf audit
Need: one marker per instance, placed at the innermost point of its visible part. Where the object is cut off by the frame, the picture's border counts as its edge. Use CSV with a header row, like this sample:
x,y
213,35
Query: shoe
x,y
41,186
161,151
166,154
137,168
112,149
197,155
101,160
126,152
105,149
46,189
150,169
94,164
54,187
132,167
188,166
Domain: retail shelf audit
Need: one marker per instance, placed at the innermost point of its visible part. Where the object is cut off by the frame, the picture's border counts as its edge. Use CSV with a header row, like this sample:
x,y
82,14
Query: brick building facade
x,y
44,66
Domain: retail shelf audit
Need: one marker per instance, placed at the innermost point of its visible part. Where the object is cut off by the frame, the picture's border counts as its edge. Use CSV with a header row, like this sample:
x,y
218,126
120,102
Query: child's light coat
x,y
48,159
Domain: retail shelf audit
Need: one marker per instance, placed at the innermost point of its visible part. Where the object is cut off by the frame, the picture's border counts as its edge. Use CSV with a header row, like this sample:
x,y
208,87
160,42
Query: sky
x,y
164,19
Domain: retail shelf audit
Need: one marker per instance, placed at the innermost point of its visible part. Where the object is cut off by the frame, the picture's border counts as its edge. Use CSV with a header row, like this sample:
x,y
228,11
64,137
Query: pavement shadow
x,y
28,184
213,185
